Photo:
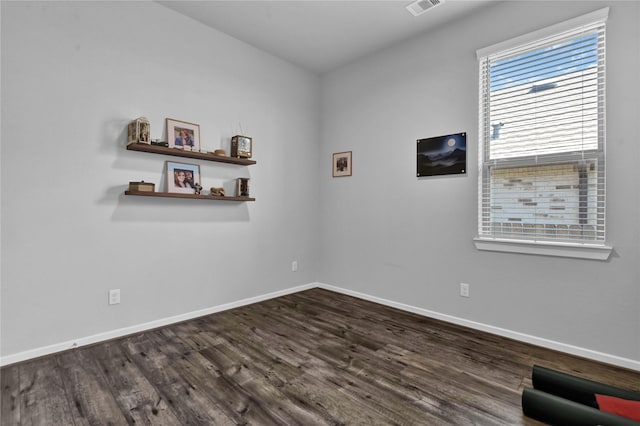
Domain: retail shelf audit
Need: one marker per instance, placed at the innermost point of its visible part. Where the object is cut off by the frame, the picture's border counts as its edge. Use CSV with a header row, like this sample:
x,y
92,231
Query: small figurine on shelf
x,y
139,131
217,192
198,188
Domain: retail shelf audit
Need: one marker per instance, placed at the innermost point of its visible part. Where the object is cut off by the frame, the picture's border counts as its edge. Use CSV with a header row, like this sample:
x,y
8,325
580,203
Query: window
x,y
542,137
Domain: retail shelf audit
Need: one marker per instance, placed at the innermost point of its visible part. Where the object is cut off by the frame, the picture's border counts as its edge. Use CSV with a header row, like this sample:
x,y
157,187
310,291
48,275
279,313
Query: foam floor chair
x,y
562,399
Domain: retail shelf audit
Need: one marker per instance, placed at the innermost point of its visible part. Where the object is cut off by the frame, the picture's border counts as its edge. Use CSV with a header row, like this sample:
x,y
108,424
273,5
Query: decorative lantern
x,y
242,187
241,146
139,131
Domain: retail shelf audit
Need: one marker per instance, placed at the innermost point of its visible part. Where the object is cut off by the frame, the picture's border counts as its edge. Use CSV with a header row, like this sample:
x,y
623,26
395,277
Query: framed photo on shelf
x,y
341,164
182,177
181,134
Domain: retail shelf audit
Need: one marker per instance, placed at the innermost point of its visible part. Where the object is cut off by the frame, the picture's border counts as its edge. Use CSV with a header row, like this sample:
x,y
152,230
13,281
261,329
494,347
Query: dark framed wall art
x,y
442,155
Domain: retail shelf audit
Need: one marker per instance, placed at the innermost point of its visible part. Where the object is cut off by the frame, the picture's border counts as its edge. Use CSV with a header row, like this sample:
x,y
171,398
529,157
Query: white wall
x,y
73,75
387,234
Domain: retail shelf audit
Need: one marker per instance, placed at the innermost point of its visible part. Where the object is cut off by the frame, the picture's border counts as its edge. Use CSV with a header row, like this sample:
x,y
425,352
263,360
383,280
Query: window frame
x,y
585,249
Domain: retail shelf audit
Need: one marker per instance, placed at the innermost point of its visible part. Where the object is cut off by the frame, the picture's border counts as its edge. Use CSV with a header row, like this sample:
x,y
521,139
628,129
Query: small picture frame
x,y
241,146
183,135
341,164
182,177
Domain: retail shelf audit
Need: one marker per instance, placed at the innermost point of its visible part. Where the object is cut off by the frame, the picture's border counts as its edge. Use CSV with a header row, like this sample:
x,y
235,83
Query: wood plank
x,y
158,149
190,405
314,357
10,402
195,334
235,385
93,402
190,196
317,383
136,397
300,390
43,399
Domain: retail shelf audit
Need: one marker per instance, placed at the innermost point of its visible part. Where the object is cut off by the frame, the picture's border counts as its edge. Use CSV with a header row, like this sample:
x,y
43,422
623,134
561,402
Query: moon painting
x,y
442,155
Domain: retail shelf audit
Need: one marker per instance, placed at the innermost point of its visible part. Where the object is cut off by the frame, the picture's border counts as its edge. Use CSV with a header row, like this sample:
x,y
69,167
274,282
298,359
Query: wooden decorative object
x,y
242,187
241,146
218,192
142,186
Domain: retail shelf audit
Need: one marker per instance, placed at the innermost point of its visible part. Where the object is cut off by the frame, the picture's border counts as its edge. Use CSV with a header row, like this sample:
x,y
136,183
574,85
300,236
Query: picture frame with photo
x,y
182,177
183,135
341,164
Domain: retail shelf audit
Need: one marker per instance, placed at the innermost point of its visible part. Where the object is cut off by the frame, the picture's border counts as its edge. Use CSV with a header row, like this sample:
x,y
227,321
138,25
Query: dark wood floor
x,y
309,358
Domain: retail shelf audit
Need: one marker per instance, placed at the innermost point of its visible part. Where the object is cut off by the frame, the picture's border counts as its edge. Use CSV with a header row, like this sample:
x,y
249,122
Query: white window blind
x,y
542,129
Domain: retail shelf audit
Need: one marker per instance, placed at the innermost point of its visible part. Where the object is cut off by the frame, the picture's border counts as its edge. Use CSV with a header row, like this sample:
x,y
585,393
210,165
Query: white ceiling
x,y
321,35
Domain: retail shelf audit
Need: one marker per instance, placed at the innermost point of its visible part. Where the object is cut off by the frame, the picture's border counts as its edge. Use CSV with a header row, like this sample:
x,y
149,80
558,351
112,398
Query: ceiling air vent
x,y
421,6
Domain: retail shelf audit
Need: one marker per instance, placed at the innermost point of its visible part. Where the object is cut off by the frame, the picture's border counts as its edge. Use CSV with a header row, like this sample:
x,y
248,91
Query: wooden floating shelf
x,y
157,149
192,196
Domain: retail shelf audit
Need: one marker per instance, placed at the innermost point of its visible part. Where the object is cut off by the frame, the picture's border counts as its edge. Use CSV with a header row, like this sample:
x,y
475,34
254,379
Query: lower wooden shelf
x,y
192,196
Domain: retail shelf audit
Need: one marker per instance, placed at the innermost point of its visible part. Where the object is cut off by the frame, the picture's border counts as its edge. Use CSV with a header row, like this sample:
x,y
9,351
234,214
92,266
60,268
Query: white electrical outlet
x,y
114,296
294,266
464,290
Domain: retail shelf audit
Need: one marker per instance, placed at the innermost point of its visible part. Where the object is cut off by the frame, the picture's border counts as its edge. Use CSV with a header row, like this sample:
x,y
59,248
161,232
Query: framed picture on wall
x,y
341,164
442,155
182,178
183,135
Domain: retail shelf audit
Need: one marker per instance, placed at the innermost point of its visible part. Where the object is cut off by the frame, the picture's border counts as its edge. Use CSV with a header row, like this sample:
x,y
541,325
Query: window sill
x,y
577,251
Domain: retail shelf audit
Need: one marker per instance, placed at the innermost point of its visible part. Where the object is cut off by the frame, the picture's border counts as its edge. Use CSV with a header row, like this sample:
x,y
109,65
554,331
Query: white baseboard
x,y
101,337
538,341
